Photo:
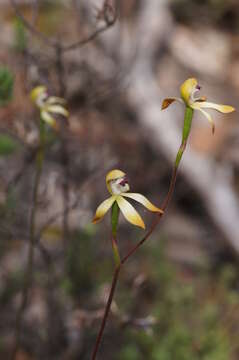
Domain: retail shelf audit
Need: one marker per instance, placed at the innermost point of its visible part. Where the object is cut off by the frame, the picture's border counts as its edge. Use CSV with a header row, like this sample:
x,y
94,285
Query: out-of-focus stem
x,y
60,68
30,257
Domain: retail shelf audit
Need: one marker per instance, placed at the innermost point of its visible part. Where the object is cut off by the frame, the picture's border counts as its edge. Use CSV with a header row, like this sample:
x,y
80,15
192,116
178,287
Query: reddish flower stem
x,y
157,219
106,313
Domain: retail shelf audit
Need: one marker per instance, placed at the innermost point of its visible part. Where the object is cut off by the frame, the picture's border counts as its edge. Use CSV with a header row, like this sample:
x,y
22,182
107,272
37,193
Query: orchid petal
x,y
168,101
103,208
58,109
221,108
55,100
129,212
209,118
143,200
48,119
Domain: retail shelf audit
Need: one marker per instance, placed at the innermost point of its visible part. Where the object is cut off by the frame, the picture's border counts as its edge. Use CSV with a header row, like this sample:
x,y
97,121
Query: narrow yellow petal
x,y
129,212
168,101
54,100
103,208
58,109
221,108
143,200
48,119
209,118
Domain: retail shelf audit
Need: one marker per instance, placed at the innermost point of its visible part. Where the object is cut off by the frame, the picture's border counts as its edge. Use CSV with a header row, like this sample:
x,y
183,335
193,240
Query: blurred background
x,y
178,296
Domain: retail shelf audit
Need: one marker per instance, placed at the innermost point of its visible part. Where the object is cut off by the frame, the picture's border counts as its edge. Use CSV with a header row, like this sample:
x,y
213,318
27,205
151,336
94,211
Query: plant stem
x,y
186,131
114,222
106,313
114,225
157,218
30,257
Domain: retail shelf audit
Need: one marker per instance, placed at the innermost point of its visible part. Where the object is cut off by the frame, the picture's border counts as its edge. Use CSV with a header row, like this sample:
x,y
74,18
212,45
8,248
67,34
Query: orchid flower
x,y
190,97
118,186
48,105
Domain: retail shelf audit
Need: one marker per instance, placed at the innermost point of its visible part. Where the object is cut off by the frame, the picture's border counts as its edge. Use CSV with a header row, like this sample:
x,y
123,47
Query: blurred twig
x,y
75,203
31,27
32,240
54,43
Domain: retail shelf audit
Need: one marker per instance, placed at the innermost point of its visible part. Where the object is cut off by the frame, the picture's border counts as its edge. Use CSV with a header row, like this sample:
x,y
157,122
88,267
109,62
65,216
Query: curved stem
x,y
157,218
186,131
32,238
106,313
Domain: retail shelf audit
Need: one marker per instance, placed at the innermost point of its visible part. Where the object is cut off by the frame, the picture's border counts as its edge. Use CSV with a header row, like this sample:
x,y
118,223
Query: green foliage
x,y
79,279
188,326
7,145
6,85
130,352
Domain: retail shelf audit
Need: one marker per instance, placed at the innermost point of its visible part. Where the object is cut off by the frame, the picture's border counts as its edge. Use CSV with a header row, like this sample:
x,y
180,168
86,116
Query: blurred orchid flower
x,y
118,186
48,105
190,96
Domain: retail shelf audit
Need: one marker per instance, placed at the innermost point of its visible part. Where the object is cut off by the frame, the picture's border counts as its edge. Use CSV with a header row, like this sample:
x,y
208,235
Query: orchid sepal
x,y
168,101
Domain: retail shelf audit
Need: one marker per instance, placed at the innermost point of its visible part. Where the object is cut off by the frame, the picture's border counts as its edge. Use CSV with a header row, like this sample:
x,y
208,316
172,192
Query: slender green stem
x,y
186,131
114,218
30,257
114,225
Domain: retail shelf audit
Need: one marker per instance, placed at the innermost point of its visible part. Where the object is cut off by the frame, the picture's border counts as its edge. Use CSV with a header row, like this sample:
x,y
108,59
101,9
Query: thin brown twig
x,y
30,257
44,38
54,43
88,39
74,204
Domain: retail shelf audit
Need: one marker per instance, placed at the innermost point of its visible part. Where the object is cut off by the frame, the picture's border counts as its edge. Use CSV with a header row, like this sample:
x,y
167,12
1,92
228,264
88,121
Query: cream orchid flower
x,y
48,105
118,186
189,95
